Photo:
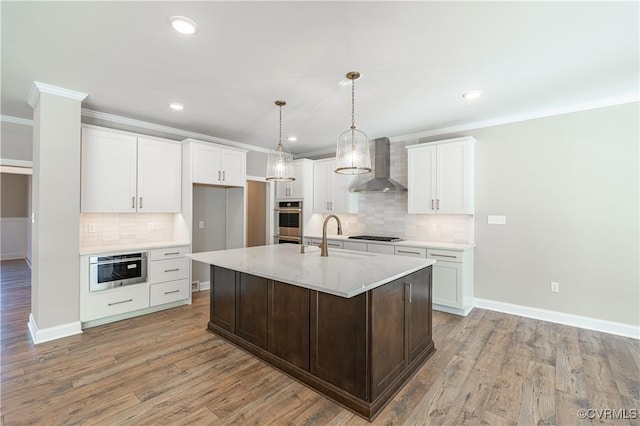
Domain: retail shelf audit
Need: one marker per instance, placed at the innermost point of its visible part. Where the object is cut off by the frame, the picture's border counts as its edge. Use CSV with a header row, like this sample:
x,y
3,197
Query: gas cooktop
x,y
375,238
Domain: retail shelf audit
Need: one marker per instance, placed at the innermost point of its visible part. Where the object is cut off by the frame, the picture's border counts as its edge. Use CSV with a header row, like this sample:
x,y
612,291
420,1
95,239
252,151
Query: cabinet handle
x,y
123,301
172,253
333,245
409,285
133,202
409,252
140,202
172,270
433,207
174,291
438,204
223,176
219,175
443,255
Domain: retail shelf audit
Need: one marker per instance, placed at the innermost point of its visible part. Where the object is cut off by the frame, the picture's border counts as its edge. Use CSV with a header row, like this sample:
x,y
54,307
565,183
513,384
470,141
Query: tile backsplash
x,y
125,228
386,213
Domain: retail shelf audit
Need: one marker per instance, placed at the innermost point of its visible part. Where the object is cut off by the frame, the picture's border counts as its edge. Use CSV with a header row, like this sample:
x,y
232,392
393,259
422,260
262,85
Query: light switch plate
x,y
496,220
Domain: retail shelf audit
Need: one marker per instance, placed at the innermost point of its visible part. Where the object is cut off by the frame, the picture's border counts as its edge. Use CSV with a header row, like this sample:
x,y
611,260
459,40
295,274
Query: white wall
x,y
569,188
16,141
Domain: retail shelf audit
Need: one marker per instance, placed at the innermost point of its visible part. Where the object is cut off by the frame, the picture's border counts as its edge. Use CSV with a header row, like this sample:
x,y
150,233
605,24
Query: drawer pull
x,y
333,245
410,252
174,291
122,301
172,270
444,255
409,285
172,253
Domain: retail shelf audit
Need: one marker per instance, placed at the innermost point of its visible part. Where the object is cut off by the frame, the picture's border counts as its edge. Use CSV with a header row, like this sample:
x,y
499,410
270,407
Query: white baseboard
x,y
617,328
52,333
12,256
456,311
205,285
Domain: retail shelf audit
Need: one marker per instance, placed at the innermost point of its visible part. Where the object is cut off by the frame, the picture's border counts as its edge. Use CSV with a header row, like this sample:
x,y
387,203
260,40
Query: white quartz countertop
x,y
405,243
343,273
124,248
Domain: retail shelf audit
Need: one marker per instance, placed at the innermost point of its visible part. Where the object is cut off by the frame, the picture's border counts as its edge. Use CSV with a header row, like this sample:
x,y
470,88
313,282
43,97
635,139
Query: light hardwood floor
x,y
164,368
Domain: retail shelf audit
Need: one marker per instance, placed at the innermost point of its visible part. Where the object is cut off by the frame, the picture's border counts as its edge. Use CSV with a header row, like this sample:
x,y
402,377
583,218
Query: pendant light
x,y
352,153
280,161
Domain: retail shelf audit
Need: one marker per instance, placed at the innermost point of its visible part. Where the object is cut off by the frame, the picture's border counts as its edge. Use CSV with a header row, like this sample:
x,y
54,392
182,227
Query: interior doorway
x,y
15,213
257,213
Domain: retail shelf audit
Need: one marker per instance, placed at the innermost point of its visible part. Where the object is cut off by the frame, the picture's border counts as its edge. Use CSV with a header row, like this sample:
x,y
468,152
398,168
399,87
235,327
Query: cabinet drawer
x,y
169,270
168,253
446,255
353,245
114,302
169,292
411,251
380,248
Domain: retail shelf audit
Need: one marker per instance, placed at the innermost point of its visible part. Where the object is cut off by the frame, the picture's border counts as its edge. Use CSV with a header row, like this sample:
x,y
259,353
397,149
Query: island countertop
x,y
343,273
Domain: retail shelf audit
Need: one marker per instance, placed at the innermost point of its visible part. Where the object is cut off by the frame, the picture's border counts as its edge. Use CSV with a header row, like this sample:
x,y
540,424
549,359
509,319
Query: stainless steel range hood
x,y
381,182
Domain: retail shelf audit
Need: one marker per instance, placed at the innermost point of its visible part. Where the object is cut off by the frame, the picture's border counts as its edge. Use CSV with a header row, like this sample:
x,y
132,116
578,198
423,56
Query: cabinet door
x,y
108,182
419,334
452,187
339,327
251,309
283,190
159,176
296,190
447,284
289,323
388,337
343,200
322,184
223,298
421,175
233,167
206,164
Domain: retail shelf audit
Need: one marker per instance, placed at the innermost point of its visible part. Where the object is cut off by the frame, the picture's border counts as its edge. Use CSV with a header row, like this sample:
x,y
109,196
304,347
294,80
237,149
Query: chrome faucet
x,y
324,252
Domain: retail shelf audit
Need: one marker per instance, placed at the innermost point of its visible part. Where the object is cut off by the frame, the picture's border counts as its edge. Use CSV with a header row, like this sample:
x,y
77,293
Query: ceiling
x,y
416,61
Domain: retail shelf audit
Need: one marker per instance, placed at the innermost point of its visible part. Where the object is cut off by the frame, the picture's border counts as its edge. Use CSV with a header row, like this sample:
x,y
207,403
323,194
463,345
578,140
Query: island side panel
x,y
419,313
288,325
223,298
339,352
251,309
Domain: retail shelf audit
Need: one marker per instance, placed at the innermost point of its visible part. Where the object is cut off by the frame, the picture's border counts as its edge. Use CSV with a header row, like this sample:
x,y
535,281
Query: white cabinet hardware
x,y
440,177
215,165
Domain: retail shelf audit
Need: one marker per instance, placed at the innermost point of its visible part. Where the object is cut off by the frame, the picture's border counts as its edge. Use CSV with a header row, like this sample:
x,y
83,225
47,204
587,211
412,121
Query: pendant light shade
x,y
352,152
280,161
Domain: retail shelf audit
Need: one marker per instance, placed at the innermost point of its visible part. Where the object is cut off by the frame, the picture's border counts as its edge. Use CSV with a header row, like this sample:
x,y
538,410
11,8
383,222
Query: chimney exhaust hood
x,y
381,182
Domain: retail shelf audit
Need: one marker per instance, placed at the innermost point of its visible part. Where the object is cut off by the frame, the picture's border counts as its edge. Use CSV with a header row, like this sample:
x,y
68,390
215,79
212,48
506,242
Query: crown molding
x,y
166,129
600,103
38,88
16,120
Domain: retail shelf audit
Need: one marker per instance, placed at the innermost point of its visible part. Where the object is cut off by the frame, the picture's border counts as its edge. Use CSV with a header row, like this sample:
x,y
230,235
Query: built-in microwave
x,y
117,270
289,222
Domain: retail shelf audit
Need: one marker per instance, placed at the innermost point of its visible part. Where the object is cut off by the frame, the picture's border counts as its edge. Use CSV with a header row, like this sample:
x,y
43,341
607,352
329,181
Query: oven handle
x,y
288,210
127,260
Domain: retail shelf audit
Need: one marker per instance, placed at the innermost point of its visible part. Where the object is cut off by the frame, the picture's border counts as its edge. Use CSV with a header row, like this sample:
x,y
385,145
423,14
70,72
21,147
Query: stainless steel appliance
x,y
289,222
376,238
117,270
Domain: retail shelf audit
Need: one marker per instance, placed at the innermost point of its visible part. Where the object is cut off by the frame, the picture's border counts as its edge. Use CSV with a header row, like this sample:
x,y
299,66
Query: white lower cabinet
x,y
168,292
354,245
380,248
452,280
116,301
168,275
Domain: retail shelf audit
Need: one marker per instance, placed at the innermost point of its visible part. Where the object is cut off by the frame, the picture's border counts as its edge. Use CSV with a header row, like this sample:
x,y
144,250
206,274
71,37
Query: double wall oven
x,y
289,215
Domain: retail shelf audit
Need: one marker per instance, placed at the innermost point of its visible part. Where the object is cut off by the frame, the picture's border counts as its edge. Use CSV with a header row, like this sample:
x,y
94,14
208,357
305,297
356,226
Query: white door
x,y
206,165
322,185
452,194
108,183
233,164
159,176
421,180
343,201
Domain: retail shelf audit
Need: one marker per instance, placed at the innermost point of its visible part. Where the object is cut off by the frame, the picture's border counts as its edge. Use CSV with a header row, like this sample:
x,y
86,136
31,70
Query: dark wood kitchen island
x,y
353,326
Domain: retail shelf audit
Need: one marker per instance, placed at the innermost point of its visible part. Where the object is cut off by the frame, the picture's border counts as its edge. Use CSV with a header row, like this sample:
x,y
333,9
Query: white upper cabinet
x,y
124,173
214,165
302,187
440,177
331,190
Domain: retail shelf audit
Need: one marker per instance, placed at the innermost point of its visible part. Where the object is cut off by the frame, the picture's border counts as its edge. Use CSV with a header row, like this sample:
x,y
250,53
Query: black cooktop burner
x,y
375,238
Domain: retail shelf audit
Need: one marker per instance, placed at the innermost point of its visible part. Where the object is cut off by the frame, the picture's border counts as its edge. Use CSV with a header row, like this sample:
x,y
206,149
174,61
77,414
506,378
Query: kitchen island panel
x,y
223,298
251,309
288,323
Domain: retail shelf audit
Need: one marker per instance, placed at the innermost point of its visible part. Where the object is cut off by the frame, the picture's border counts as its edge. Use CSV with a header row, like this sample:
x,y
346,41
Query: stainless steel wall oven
x,y
289,222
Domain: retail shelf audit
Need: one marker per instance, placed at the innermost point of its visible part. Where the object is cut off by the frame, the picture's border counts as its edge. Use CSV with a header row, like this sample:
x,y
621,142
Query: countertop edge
x,y
404,243
85,251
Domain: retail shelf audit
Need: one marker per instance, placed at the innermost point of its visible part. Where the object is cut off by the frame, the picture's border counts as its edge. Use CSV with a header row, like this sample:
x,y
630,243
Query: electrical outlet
x,y
497,220
92,227
201,224
555,287
150,226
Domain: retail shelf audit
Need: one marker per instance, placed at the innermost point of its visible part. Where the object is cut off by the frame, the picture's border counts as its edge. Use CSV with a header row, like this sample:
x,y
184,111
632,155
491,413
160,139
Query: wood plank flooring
x,y
164,368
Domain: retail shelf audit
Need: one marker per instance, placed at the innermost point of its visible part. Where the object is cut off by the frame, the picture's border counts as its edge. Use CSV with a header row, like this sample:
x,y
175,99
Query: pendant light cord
x,y
280,137
353,103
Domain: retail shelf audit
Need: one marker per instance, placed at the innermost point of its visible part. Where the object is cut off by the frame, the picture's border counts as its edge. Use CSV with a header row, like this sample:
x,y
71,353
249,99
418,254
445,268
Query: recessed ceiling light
x,y
183,25
472,94
176,106
292,138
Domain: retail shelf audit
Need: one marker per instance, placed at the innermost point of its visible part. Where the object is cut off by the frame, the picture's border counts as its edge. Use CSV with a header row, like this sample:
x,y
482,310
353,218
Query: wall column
x,y
55,279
